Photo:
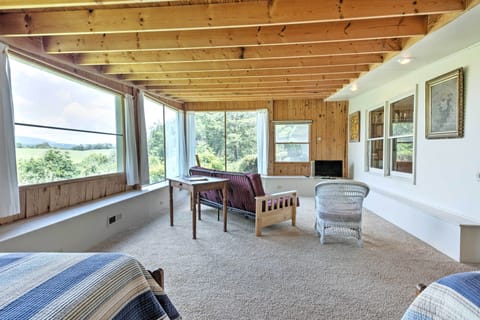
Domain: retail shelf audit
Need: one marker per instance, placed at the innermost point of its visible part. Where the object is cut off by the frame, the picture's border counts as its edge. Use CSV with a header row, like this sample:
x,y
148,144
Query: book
x,y
196,178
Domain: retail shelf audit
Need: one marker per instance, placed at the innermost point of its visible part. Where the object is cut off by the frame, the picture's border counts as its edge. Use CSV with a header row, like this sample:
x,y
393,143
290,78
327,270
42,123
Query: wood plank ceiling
x,y
208,50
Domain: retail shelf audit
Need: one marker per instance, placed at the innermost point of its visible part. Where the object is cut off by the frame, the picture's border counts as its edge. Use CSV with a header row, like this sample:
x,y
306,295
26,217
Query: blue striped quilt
x,y
79,286
456,296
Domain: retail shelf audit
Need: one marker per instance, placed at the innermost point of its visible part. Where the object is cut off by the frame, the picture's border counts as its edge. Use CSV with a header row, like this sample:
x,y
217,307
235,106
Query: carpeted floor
x,y
286,273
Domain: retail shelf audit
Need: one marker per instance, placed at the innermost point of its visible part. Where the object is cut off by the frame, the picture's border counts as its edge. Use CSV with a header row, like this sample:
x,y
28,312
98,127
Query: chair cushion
x,y
257,185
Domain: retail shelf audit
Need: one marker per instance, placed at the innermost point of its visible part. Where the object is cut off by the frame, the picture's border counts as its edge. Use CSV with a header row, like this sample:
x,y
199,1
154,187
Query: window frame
x,y
308,123
390,136
84,81
370,139
164,106
225,143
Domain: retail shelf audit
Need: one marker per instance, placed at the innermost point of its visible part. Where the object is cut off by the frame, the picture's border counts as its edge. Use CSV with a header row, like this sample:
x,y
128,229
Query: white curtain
x,y
191,142
9,194
143,148
182,146
262,141
131,158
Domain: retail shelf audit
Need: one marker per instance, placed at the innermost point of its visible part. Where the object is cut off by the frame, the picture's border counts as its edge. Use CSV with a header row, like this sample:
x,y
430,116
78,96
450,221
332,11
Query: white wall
x,y
447,170
305,186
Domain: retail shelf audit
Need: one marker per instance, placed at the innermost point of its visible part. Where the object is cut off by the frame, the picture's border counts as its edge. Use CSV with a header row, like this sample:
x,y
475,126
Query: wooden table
x,y
194,185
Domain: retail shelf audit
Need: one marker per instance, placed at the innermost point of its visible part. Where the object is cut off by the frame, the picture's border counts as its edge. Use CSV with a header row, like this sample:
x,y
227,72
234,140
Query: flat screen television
x,y
328,168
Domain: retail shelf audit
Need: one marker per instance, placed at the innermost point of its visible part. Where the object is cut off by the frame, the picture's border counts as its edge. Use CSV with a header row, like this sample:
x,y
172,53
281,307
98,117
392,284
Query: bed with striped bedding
x,y
456,296
79,286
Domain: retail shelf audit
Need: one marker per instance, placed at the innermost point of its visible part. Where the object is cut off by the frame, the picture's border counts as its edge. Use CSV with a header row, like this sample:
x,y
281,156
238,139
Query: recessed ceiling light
x,y
404,60
354,87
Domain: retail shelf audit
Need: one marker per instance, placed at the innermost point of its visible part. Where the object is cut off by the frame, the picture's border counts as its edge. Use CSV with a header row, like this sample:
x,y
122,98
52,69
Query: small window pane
x,y
155,140
402,154
291,152
241,141
47,155
42,97
401,117
210,139
376,154
292,133
376,123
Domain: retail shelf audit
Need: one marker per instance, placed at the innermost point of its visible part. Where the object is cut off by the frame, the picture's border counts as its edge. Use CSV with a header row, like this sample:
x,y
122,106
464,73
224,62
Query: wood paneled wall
x,y
328,133
43,198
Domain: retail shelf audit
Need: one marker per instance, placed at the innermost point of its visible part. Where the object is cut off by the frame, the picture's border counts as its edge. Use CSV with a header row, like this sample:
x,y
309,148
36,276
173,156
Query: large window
x,y
162,125
401,135
375,138
227,140
64,128
292,141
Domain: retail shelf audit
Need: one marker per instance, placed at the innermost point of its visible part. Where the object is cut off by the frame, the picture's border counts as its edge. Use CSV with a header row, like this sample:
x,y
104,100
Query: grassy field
x,y
76,155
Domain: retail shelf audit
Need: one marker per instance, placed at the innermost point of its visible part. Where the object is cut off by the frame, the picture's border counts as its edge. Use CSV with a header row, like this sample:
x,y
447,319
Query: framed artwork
x,y
444,106
354,126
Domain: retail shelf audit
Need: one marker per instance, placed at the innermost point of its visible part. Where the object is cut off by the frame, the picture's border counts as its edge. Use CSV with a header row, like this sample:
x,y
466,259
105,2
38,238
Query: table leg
x,y
194,213
199,206
224,190
170,191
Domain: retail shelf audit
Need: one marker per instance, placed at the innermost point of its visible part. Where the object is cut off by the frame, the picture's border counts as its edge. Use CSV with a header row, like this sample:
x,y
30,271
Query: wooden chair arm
x,y
291,193
158,276
419,288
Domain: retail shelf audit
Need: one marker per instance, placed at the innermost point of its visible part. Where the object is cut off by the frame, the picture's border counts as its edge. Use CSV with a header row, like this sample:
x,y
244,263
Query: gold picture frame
x,y
354,126
444,106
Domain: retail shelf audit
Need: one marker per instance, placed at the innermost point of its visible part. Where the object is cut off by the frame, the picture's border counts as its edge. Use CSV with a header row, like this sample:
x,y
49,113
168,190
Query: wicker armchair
x,y
338,205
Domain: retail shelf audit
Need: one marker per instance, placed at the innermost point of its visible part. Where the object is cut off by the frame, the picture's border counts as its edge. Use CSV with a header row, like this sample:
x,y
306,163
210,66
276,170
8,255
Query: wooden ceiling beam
x,y
154,85
244,99
250,90
36,4
253,93
309,77
323,76
289,71
244,65
272,81
241,53
208,16
248,97
241,37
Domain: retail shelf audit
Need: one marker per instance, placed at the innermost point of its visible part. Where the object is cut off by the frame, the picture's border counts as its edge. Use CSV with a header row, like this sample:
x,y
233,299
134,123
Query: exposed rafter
x,y
243,65
241,53
33,4
216,50
208,16
386,28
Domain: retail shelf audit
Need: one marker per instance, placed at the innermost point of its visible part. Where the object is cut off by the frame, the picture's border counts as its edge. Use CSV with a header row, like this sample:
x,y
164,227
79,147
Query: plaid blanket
x,y
79,286
456,296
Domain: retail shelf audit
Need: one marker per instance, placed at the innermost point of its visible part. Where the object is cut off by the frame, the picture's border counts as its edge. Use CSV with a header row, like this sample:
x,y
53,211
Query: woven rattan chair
x,y
338,205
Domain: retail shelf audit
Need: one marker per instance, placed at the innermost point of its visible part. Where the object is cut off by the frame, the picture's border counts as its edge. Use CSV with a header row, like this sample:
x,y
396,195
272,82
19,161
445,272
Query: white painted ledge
x,y
456,236
304,185
83,226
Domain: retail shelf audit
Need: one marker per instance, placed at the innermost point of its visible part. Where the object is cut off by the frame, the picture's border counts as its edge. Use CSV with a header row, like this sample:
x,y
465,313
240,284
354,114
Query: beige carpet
x,y
286,273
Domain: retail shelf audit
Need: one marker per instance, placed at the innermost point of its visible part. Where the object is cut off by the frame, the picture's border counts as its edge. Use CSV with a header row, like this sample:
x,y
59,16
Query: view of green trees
x,y
292,142
241,140
156,152
41,163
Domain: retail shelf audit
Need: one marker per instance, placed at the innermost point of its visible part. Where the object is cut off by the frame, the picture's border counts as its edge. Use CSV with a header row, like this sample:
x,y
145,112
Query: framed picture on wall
x,y
354,127
444,106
